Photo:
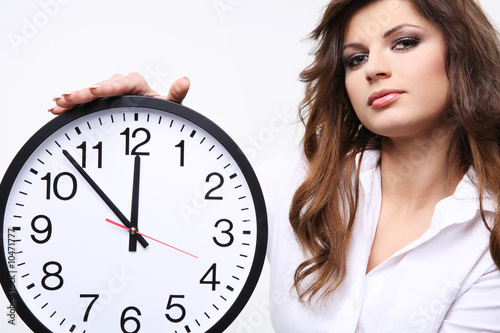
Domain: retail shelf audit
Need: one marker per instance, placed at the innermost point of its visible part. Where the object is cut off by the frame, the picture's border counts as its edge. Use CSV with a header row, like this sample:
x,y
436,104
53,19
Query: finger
x,y
71,99
58,110
179,90
62,102
88,94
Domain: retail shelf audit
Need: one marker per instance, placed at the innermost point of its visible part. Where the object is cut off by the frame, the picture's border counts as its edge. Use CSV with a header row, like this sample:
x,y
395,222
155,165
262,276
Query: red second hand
x,y
124,227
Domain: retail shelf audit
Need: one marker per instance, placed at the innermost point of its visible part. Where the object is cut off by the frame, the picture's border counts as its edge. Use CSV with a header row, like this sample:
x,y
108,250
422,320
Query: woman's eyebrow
x,y
353,45
399,27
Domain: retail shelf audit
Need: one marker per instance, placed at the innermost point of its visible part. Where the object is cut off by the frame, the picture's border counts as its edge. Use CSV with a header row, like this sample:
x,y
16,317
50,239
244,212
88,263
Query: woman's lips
x,y
384,97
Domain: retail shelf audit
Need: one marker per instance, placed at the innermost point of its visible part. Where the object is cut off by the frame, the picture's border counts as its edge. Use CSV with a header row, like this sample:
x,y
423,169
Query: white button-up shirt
x,y
445,281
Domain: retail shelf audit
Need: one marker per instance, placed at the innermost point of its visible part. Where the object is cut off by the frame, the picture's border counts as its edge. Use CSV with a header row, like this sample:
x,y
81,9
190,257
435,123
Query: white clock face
x,y
73,260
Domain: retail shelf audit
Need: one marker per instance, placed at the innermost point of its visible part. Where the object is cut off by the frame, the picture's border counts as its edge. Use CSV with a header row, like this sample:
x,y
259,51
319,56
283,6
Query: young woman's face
x,y
395,70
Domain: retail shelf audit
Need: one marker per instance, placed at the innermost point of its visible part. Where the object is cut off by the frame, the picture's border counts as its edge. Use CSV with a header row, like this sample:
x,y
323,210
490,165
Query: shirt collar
x,y
460,207
371,158
463,204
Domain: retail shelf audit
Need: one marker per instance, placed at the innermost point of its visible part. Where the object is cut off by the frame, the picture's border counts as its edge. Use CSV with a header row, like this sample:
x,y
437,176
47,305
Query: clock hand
x,y
132,243
105,198
139,233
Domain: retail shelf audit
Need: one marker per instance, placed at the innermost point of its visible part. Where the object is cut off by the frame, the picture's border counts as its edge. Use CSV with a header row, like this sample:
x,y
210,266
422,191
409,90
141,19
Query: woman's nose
x,y
377,67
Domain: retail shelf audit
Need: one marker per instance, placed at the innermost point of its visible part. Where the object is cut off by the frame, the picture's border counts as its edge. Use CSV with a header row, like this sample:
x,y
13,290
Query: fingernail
x,y
94,87
67,94
55,98
188,79
50,110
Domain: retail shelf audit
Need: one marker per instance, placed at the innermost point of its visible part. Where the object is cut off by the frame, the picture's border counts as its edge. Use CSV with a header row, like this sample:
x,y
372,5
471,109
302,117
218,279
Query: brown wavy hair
x,y
324,206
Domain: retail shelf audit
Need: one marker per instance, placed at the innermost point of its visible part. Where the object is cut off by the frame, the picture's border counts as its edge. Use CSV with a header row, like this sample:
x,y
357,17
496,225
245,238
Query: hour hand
x,y
105,198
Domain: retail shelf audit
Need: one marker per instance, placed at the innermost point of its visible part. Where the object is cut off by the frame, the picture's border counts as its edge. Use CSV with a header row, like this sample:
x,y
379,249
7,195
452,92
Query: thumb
x,y
179,90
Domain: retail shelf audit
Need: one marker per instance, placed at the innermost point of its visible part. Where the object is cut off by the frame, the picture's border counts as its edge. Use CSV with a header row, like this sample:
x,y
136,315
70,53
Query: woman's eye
x,y
355,60
405,43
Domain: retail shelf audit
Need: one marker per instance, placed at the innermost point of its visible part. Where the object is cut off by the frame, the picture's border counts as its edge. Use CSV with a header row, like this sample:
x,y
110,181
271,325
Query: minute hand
x,y
132,244
105,198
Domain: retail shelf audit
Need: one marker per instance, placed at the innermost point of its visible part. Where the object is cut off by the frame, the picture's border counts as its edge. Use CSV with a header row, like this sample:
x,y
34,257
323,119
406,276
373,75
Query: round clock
x,y
130,214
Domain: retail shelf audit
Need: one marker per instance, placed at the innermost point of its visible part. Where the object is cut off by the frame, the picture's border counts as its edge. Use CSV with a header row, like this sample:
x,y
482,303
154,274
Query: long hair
x,y
324,206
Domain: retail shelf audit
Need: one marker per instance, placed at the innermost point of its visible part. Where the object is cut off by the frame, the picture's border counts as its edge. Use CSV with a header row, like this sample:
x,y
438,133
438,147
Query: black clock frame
x,y
144,102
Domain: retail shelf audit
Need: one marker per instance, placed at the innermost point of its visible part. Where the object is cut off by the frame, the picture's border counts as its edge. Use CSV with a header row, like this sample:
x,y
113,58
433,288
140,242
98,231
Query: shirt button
x,y
355,305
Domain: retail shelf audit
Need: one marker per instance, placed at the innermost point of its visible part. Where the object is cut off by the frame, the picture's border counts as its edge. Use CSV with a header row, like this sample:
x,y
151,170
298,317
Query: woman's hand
x,y
118,85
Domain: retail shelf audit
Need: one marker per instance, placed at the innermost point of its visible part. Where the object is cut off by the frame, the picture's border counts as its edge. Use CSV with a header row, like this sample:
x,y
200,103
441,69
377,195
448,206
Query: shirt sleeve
x,y
478,309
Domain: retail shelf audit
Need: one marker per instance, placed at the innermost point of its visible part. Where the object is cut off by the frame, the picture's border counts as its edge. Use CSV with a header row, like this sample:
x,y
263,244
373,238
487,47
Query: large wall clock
x,y
130,214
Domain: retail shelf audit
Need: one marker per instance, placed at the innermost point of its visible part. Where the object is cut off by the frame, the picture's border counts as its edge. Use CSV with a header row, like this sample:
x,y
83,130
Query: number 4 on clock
x,y
213,271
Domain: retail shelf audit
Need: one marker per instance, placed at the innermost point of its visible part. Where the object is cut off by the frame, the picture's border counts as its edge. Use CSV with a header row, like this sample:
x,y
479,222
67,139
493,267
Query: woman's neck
x,y
414,171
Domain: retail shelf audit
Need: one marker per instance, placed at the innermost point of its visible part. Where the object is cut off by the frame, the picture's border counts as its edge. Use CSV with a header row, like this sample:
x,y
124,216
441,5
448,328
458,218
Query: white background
x,y
243,58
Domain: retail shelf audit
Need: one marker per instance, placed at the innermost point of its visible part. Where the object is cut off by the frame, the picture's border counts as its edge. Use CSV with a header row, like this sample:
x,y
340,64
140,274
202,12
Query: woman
x,y
392,224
